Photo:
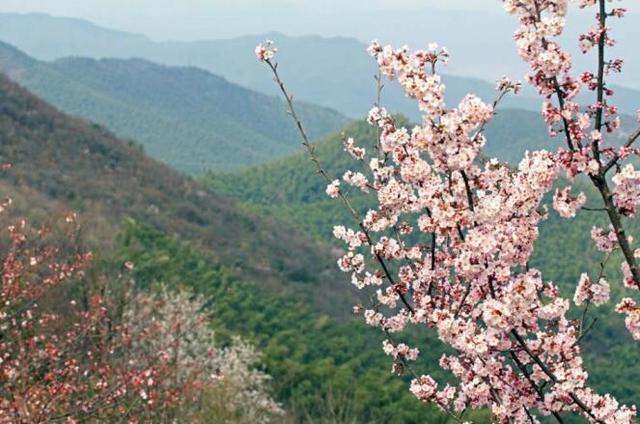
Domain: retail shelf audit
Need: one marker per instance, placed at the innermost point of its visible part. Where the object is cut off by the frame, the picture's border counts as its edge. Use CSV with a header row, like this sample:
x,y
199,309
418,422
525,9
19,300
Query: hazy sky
x,y
199,19
477,32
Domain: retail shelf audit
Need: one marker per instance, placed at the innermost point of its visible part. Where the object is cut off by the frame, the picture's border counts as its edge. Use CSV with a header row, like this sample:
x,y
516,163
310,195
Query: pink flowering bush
x,y
74,349
70,360
448,246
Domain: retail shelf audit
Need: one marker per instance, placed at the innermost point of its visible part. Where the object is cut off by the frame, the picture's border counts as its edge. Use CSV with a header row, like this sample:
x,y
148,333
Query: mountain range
x,y
183,116
334,72
253,235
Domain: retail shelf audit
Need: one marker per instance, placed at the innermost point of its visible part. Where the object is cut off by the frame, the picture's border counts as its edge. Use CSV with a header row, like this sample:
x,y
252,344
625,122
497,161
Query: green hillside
x,y
324,370
290,188
84,167
185,117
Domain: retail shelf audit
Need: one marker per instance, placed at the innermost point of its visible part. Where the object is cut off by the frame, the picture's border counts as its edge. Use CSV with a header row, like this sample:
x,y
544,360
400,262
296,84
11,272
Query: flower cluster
x,y
333,189
628,278
356,179
454,136
628,307
627,190
425,388
588,151
567,205
355,151
401,351
265,51
588,291
468,283
541,22
605,241
200,370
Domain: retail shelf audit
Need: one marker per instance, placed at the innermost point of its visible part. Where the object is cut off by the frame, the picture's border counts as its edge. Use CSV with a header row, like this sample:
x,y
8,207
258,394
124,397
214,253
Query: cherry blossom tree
x,y
448,245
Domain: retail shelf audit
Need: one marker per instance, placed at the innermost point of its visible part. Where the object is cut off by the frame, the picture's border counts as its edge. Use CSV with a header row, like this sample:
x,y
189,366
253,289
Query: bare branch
x,y
311,150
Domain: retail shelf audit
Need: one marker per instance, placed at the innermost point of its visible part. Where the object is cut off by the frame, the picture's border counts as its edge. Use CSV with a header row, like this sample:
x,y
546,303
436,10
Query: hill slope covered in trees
x,y
84,167
185,117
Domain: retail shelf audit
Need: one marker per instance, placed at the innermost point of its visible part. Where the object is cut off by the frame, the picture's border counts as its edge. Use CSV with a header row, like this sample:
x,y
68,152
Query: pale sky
x,y
478,32
201,19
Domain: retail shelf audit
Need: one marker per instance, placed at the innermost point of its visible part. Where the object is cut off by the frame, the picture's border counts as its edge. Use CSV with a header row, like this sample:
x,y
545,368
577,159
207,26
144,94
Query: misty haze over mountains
x,y
183,116
480,42
330,72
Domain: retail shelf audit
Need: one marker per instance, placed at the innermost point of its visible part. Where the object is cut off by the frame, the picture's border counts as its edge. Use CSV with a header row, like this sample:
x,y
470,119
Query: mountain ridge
x,y
184,116
334,72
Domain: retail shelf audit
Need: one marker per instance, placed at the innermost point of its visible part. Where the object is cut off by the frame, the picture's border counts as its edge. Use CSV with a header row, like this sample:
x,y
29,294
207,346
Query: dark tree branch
x,y
616,157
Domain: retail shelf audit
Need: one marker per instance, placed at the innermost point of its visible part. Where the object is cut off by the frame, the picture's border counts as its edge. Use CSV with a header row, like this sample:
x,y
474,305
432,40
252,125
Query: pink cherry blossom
x,y
424,388
565,204
627,190
628,307
265,51
401,351
356,179
356,152
333,189
627,277
588,291
605,241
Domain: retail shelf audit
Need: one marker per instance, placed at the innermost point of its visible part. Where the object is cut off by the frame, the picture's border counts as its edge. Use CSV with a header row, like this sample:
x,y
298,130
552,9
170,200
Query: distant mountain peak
x,y
13,62
333,72
69,22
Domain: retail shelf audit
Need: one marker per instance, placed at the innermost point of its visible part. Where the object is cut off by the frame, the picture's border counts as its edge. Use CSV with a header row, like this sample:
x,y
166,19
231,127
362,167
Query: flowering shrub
x,y
106,355
220,383
241,396
448,246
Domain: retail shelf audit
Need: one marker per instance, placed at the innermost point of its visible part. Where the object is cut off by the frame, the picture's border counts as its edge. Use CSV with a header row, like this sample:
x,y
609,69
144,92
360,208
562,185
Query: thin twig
x,y
311,150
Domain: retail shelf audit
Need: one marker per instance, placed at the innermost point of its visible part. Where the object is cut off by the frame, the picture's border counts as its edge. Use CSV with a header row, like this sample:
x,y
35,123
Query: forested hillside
x,y
185,117
291,189
291,179
85,168
324,370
